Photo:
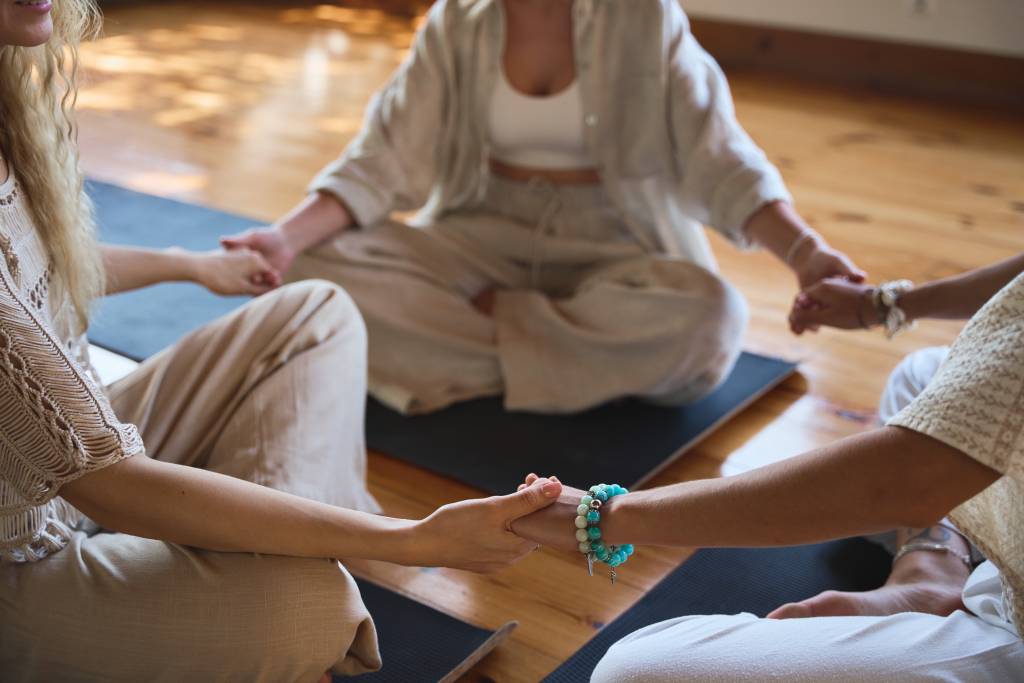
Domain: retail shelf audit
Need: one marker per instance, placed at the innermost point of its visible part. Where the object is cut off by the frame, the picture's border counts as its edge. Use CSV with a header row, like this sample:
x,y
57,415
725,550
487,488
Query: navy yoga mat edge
x,y
733,581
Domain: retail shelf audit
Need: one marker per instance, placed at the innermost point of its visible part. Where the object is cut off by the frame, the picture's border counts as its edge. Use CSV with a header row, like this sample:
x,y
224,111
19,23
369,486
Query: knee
x,y
691,648
648,656
909,379
330,309
722,311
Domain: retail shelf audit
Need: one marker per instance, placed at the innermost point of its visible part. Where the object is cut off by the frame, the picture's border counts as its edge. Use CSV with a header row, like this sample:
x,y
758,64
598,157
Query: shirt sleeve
x,y
975,402
725,176
56,424
392,163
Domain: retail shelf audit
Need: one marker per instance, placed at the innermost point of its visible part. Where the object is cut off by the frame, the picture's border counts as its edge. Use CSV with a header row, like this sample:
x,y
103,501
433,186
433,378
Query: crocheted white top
x,y
975,404
56,423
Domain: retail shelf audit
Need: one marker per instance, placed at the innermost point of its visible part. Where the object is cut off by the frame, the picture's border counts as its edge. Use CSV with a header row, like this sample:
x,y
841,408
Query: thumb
x,y
234,242
538,495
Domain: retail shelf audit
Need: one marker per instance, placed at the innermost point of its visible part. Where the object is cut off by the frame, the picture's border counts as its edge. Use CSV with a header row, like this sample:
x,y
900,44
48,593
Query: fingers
x,y
538,494
235,241
262,274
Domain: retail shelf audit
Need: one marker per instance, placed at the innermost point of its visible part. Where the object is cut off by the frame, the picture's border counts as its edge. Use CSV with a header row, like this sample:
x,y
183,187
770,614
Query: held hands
x,y
477,534
551,526
235,272
268,241
834,302
814,261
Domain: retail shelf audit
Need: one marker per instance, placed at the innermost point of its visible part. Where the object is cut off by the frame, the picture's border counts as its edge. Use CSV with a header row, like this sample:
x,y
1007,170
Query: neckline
x,y
536,98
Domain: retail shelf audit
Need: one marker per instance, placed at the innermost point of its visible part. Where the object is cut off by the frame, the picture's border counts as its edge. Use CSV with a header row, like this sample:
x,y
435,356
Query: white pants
x,y
582,313
979,644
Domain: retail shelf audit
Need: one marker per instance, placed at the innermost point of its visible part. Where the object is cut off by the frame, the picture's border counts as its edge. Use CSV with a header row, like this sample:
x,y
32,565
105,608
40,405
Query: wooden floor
x,y
236,106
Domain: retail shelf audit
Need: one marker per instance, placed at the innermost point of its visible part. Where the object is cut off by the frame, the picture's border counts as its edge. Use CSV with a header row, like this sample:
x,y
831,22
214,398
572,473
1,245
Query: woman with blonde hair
x,y
222,446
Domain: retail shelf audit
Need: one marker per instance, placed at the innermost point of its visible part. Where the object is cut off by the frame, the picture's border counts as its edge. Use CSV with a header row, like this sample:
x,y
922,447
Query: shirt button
x,y
590,120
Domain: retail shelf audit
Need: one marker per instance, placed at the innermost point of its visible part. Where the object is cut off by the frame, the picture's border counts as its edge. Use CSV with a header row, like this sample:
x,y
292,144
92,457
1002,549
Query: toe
x,y
792,610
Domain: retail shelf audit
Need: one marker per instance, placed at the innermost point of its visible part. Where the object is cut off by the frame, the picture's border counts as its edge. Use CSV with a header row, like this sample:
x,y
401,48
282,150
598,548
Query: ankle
x,y
927,566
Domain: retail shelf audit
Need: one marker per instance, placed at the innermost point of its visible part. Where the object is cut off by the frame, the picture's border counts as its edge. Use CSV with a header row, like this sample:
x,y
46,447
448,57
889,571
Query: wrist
x,y
319,217
867,311
802,252
291,237
185,266
614,519
404,541
396,540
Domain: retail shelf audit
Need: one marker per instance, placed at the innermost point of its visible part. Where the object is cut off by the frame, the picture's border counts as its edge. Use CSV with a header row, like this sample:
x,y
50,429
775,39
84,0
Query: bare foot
x,y
922,581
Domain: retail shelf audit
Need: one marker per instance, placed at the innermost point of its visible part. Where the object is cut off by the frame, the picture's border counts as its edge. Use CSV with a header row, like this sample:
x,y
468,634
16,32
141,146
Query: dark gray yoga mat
x,y
730,581
477,442
418,643
627,442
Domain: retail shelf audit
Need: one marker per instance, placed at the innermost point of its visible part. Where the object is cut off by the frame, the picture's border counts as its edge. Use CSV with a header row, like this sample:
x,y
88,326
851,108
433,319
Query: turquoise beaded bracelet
x,y
588,529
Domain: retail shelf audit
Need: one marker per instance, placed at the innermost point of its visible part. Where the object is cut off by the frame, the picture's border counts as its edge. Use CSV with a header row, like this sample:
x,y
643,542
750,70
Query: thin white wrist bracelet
x,y
797,244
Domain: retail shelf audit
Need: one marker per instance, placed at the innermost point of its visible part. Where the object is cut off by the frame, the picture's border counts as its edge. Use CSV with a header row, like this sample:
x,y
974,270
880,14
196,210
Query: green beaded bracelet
x,y
588,529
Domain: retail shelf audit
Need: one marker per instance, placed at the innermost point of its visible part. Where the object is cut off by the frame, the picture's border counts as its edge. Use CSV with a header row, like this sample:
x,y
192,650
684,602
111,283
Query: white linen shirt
x,y
657,114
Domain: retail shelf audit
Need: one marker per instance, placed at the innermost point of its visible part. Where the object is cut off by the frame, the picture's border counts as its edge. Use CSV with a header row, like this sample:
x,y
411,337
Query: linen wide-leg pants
x,y
976,645
273,393
582,315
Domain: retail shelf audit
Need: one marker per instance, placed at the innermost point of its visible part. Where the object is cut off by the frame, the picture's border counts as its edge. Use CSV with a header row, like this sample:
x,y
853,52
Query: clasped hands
x,y
833,292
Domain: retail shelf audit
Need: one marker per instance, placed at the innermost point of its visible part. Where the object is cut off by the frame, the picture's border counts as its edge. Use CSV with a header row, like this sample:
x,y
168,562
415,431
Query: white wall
x,y
993,26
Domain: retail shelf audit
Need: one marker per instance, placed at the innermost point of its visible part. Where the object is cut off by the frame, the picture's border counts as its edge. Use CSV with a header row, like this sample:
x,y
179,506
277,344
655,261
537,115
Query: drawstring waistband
x,y
551,206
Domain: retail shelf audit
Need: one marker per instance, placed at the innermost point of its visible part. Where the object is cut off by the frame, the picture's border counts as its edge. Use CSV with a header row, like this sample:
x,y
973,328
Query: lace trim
x,y
10,256
10,197
39,295
44,531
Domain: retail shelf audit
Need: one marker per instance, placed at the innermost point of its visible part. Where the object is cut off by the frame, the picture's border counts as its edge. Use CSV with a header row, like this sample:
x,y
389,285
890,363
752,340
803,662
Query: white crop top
x,y
537,132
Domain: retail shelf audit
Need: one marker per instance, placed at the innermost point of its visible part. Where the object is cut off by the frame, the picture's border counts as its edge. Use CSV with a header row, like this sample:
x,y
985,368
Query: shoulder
x,y
655,23
976,400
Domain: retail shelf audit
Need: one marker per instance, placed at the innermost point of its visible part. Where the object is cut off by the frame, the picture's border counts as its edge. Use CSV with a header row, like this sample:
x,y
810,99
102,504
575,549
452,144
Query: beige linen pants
x,y
273,393
583,314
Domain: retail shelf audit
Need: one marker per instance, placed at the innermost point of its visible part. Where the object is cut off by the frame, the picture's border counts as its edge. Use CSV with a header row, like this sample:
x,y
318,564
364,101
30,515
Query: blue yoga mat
x,y
476,442
138,324
731,581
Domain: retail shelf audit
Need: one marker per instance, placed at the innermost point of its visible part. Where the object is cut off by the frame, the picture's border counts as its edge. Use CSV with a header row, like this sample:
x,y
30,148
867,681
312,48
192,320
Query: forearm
x,y
130,268
315,219
778,228
960,296
207,510
873,482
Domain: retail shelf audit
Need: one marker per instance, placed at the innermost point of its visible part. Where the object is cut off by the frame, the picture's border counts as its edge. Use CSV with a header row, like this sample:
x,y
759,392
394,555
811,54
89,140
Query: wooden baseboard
x,y
895,68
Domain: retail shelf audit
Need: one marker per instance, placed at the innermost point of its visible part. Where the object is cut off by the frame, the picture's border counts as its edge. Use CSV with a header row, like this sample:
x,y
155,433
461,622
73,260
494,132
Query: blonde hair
x,y
38,88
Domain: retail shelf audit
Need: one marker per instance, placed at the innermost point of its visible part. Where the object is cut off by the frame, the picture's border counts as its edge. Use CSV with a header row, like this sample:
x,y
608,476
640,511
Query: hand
x,y
817,261
240,271
836,303
552,526
269,241
476,534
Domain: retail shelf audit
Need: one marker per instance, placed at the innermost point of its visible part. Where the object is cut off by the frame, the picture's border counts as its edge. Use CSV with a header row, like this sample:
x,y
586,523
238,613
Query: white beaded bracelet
x,y
886,299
